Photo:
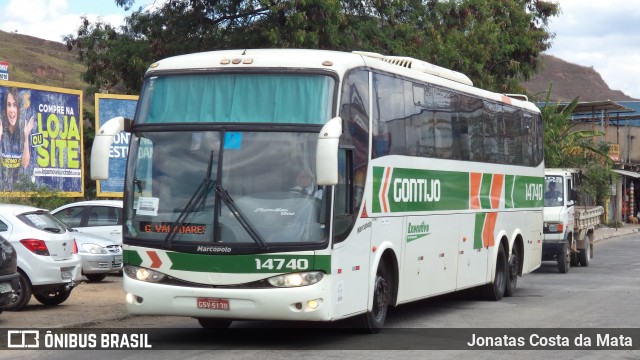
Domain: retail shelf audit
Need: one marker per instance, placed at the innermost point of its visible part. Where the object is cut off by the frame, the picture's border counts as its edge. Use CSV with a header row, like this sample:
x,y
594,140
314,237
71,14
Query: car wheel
x,y
23,294
52,297
95,277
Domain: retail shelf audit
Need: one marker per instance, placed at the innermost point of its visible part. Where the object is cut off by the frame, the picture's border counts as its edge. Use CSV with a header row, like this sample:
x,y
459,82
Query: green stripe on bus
x,y
485,191
509,180
240,264
412,190
131,257
477,233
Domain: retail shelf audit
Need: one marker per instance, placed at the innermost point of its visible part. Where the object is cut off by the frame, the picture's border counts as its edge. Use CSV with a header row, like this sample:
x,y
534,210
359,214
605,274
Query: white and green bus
x,y
317,185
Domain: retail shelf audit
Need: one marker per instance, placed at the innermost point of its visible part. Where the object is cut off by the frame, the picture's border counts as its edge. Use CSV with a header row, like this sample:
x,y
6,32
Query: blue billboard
x,y
109,106
41,140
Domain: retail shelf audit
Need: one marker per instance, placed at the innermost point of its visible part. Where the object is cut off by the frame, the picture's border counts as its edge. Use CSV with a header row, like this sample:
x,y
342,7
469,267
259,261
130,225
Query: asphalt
x,y
604,233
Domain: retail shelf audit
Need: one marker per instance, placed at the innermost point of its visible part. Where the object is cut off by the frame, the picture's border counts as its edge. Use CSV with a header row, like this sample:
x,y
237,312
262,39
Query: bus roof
x,y
336,61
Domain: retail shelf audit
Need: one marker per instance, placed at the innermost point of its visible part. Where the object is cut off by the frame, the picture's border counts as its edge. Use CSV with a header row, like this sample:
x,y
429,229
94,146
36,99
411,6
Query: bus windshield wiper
x,y
197,200
224,195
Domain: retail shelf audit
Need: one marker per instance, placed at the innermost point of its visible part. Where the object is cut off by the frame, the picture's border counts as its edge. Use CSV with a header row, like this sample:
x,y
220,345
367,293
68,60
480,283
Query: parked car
x,y
48,264
9,278
100,256
98,217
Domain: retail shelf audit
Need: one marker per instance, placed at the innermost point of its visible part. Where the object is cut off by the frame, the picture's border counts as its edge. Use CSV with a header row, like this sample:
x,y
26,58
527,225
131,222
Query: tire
x,y
564,258
53,297
95,277
495,290
209,323
584,256
512,280
373,321
574,259
23,293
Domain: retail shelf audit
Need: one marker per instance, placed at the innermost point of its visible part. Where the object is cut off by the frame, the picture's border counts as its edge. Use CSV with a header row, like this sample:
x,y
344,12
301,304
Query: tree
x,y
566,147
495,42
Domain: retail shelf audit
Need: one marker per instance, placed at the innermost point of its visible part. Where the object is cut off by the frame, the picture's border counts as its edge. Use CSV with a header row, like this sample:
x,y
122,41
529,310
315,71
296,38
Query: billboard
x,y
41,139
109,106
4,70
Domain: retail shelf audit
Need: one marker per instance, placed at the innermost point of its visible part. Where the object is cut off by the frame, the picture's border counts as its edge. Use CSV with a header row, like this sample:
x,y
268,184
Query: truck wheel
x,y
495,290
585,254
564,258
574,259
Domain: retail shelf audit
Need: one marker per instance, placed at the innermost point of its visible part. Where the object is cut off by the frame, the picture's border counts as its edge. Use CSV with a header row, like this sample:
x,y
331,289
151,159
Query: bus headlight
x,y
296,279
143,274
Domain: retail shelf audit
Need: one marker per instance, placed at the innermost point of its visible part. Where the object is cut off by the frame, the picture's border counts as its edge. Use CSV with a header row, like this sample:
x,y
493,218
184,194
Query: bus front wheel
x,y
373,321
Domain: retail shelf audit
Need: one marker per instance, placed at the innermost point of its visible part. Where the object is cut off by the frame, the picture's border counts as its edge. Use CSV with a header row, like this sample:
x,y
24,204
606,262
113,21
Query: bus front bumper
x,y
307,303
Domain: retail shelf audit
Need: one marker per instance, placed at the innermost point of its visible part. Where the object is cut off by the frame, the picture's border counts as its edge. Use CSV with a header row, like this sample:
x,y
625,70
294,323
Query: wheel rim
x,y
380,298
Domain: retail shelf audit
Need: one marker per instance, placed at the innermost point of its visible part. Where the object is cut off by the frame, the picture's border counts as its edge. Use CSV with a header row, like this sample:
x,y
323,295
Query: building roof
x,y
591,107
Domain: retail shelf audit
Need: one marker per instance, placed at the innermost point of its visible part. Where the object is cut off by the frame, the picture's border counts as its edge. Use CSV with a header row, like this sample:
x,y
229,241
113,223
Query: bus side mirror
x,y
327,152
102,145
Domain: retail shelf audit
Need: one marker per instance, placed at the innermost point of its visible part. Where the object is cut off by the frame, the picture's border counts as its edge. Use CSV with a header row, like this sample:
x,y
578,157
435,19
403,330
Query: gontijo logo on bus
x,y
413,190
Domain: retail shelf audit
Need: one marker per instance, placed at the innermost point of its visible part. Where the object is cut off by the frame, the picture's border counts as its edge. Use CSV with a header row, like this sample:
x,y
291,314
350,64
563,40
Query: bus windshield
x,y
237,98
225,188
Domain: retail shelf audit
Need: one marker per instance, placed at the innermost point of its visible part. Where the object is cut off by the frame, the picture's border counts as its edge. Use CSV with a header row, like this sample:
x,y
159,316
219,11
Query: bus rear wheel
x,y
512,278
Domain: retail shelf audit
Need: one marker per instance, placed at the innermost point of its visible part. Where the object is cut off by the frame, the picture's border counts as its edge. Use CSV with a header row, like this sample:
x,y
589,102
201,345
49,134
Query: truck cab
x,y
559,217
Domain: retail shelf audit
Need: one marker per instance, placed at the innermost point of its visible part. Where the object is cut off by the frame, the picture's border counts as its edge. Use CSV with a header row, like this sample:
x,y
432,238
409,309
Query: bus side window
x,y
343,199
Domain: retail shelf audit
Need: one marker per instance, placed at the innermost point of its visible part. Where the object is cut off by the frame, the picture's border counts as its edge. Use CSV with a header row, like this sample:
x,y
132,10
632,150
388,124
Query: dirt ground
x,y
89,304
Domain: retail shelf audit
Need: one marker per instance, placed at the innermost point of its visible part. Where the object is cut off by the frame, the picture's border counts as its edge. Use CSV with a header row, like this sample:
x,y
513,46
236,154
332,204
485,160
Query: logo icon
x,y
23,339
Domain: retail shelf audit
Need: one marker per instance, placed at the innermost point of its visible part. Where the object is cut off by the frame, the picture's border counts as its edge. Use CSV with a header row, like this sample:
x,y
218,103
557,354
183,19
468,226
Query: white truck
x,y
568,228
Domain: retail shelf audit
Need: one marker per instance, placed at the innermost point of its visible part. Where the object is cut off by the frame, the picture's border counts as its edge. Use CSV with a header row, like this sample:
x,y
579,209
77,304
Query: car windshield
x,y
554,195
217,187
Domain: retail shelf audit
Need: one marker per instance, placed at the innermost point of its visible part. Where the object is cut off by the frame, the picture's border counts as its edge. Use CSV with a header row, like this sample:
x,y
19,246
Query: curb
x,y
608,233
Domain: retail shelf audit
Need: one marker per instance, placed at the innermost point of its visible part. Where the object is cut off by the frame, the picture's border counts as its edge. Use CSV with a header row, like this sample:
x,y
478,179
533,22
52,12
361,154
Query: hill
x,y
37,61
571,80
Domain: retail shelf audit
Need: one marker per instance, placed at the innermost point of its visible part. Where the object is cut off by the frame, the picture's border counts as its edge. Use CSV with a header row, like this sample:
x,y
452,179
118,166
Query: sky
x,y
604,35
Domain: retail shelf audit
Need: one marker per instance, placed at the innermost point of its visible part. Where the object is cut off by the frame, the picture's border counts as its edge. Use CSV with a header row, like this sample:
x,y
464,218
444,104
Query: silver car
x,y
100,256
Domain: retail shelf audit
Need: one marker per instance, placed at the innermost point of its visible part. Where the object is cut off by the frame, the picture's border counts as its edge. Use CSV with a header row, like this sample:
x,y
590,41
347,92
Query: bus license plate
x,y
213,304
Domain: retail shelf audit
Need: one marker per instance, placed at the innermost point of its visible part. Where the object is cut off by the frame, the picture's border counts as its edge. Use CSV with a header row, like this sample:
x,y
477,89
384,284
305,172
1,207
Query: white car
x,y
48,263
98,217
100,256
